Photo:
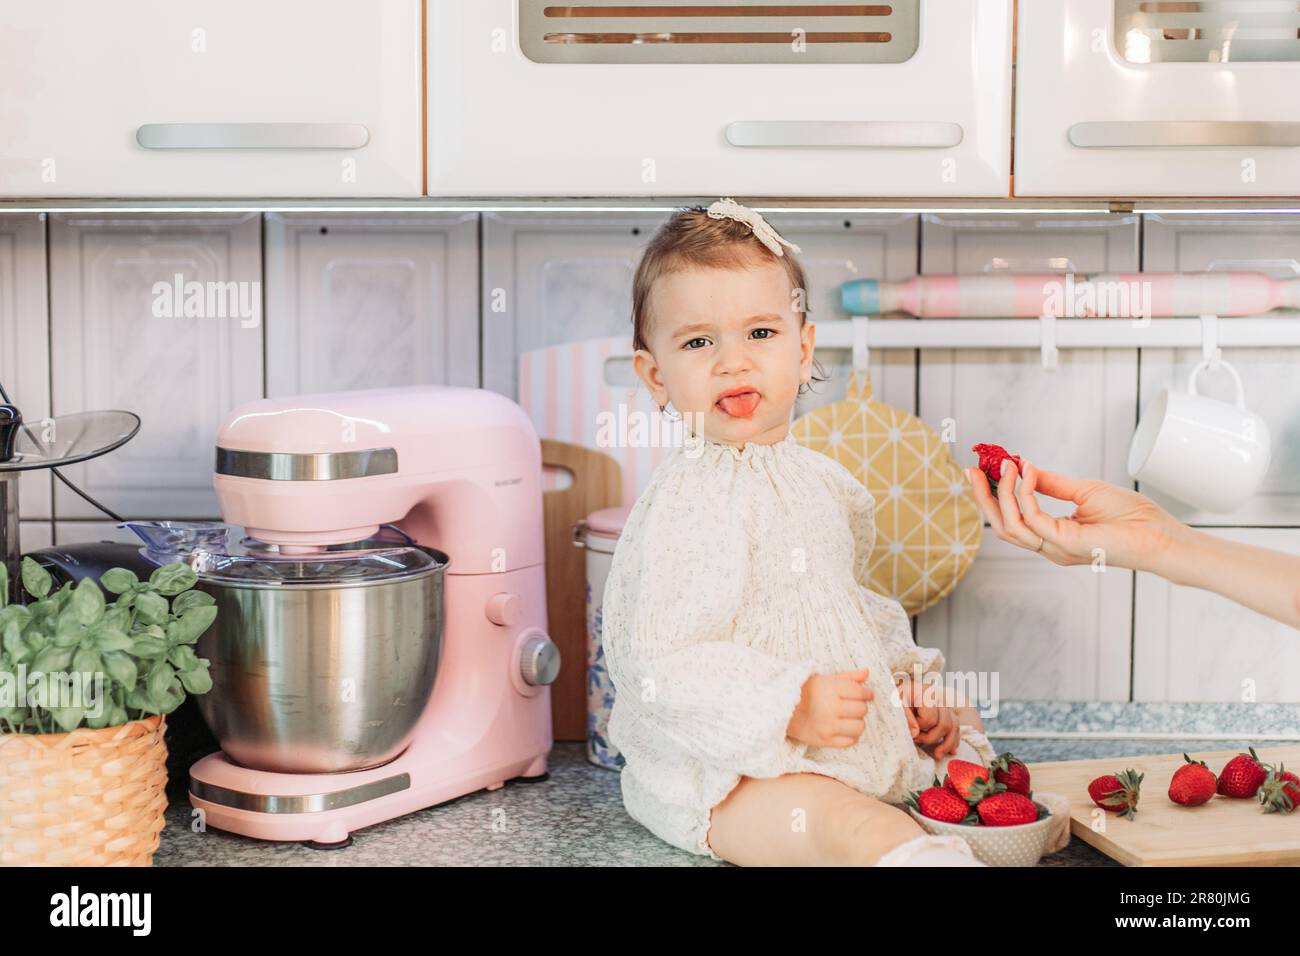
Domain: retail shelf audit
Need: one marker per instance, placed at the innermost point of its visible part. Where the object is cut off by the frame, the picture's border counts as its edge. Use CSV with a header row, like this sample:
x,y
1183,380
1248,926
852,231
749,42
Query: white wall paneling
x,y
1193,645
1234,242
1076,419
33,535
369,301
25,340
179,373
1047,632
564,277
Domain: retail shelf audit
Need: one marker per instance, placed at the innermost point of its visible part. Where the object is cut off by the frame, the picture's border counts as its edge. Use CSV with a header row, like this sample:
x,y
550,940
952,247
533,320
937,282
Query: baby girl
x,y
757,707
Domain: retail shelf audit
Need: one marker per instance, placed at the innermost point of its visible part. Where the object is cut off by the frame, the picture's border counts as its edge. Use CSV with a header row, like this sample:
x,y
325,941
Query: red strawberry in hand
x,y
1192,784
1117,792
942,804
991,458
1011,772
1242,775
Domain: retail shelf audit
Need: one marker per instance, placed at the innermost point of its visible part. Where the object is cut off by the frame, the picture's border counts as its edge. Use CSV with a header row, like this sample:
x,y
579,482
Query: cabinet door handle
x,y
1138,134
252,136
855,134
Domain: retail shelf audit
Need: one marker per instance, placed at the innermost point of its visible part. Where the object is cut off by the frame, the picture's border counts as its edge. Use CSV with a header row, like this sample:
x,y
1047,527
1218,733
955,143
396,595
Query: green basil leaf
x,y
52,659
118,580
36,580
160,679
68,718
111,639
182,657
173,579
87,661
198,680
191,599
148,646
120,667
191,625
150,608
87,601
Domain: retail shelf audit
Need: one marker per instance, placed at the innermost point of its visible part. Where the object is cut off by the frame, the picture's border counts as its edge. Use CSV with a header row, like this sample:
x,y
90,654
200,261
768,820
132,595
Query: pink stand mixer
x,y
360,676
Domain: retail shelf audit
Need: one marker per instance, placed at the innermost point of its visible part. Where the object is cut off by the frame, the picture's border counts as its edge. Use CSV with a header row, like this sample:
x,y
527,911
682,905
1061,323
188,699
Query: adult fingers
x,y
1012,522
984,498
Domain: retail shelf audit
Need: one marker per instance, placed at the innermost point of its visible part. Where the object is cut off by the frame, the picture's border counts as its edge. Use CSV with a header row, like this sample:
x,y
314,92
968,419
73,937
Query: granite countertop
x,y
576,817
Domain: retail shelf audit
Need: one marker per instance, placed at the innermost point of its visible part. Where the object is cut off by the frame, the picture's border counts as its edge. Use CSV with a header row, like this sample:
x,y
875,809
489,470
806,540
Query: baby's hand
x,y
929,723
831,710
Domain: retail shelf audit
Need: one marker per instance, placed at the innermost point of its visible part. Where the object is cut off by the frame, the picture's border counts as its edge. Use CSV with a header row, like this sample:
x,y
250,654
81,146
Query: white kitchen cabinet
x,y
194,98
1195,645
530,98
1129,98
122,337
371,301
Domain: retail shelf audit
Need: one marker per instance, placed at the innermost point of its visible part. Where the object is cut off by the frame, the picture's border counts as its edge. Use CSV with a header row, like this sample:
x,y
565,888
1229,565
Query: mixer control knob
x,y
503,608
539,662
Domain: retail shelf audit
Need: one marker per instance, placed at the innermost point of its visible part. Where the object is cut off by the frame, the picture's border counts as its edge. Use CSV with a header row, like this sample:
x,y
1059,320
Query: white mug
x,y
1210,454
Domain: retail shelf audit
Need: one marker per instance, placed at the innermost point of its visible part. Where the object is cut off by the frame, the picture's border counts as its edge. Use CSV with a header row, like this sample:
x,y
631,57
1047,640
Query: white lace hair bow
x,y
730,209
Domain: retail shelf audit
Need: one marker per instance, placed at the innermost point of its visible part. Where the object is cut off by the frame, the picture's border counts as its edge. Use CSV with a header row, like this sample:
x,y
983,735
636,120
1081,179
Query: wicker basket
x,y
85,798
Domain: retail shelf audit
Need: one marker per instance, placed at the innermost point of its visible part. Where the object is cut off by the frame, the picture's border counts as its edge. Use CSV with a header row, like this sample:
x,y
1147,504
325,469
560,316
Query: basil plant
x,y
71,658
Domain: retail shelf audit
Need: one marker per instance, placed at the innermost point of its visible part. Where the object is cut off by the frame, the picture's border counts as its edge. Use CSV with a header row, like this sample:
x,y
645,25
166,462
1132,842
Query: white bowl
x,y
1019,845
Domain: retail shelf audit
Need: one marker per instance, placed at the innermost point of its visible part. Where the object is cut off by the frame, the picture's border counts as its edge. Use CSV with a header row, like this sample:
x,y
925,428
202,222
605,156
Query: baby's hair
x,y
691,238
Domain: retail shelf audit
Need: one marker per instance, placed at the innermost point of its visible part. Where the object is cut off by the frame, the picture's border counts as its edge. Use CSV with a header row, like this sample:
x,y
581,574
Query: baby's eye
x,y
688,343
770,331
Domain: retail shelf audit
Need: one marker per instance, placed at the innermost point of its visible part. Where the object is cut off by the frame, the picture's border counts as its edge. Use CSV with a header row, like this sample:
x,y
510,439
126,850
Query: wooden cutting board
x,y
1223,832
596,483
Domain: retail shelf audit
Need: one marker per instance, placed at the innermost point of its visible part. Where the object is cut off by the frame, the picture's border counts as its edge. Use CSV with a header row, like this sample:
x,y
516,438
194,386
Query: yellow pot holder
x,y
928,526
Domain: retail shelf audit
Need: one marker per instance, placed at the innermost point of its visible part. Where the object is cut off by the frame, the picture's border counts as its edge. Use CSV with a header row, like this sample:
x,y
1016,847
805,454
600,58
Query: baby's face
x,y
713,331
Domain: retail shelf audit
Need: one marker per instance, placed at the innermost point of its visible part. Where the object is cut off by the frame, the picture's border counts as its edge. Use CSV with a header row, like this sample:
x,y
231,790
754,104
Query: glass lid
x,y
223,554
67,439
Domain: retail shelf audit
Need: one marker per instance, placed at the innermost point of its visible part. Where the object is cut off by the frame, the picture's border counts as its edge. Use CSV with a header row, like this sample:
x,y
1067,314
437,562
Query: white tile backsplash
x,y
384,299
1193,644
25,339
179,374
367,301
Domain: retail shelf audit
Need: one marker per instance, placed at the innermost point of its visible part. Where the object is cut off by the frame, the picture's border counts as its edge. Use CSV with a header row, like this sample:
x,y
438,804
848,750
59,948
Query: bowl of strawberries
x,y
992,808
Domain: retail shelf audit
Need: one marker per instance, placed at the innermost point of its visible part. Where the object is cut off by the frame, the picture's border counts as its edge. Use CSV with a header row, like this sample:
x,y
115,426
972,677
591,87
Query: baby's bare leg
x,y
805,819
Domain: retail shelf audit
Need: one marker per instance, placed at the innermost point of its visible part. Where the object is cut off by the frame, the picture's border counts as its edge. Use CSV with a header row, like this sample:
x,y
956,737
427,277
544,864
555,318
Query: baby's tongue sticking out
x,y
740,406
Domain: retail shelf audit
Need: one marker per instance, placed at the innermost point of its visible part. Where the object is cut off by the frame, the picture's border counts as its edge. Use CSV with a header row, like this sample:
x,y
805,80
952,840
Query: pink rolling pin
x,y
1100,295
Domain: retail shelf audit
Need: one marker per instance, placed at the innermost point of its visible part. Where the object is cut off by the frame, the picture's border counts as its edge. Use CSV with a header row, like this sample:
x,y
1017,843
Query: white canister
x,y
1210,454
598,533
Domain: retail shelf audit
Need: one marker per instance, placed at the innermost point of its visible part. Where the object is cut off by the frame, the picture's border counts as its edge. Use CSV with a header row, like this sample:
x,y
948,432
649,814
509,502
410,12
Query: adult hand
x,y
1128,529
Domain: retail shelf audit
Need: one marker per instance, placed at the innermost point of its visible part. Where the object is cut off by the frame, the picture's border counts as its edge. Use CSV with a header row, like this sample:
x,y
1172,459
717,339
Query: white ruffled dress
x,y
734,580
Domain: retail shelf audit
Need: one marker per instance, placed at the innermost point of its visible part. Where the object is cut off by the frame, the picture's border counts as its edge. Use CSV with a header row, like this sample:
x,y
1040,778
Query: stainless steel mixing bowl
x,y
318,669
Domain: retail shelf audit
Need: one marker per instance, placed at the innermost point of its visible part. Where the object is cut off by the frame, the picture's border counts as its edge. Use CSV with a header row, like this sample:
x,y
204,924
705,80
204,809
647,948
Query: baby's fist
x,y
832,709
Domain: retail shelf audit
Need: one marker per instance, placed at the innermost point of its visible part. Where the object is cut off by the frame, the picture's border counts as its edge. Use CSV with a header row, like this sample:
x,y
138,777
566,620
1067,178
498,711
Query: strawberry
x,y
970,780
991,458
1242,775
942,804
1280,791
1192,784
1011,772
1007,809
1117,792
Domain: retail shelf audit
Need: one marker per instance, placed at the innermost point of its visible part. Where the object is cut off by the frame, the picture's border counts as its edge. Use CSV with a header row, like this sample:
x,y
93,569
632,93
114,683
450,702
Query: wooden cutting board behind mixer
x,y
1224,832
596,483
